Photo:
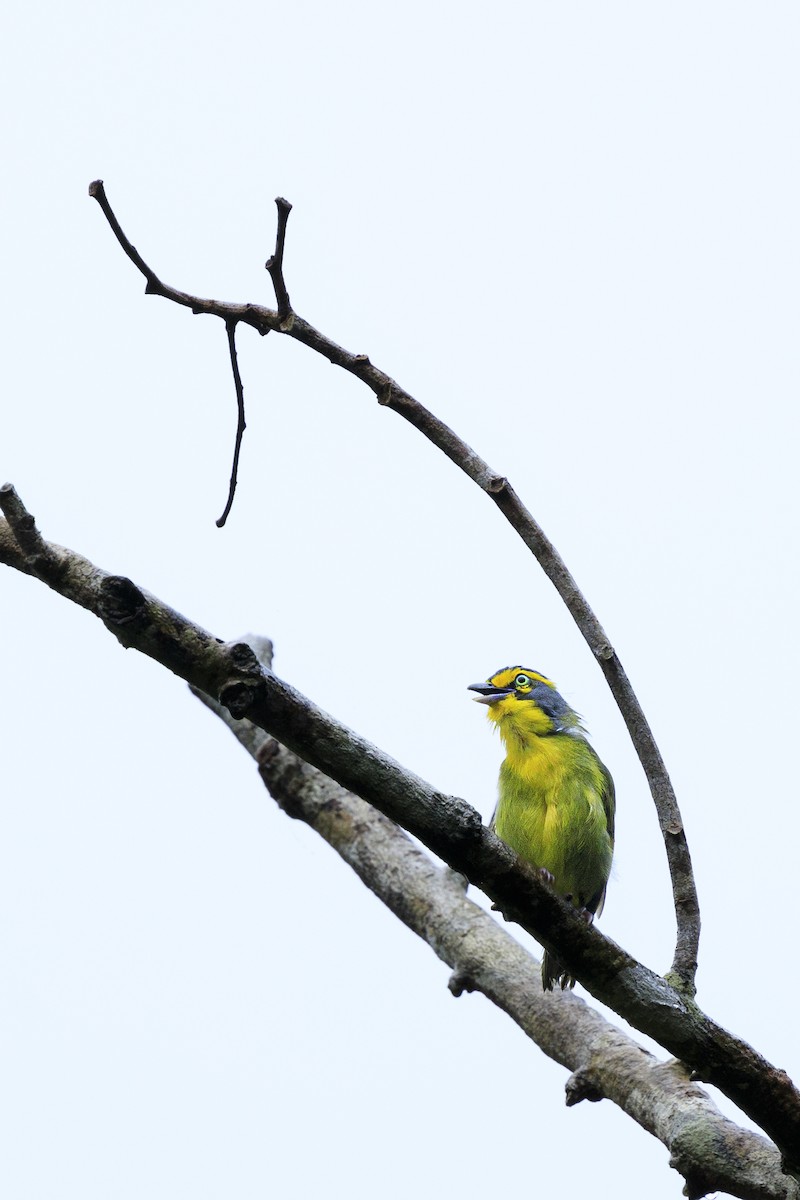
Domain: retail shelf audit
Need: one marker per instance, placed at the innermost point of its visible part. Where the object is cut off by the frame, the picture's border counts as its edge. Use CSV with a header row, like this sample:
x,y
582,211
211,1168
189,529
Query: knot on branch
x,y
696,1182
496,485
260,648
582,1085
603,652
268,752
245,686
239,696
121,602
461,981
467,824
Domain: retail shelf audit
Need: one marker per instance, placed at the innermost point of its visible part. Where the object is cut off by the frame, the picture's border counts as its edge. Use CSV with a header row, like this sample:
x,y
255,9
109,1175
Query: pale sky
x,y
570,230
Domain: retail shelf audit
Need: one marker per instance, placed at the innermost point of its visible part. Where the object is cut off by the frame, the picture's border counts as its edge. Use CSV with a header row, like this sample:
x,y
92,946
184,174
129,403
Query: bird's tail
x,y
554,971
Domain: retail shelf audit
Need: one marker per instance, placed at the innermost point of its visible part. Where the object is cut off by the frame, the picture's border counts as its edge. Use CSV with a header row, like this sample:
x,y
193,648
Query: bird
x,y
556,801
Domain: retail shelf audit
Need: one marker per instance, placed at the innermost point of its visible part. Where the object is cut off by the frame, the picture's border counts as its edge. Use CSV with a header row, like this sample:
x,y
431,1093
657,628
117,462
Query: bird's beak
x,y
488,692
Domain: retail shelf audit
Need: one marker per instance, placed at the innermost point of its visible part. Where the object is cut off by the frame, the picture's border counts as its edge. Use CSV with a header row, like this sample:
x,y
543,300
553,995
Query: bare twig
x,y
230,326
448,826
709,1151
275,264
390,394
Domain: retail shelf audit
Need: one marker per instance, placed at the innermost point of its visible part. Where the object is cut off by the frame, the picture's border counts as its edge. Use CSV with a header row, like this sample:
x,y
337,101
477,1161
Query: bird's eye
x,y
522,681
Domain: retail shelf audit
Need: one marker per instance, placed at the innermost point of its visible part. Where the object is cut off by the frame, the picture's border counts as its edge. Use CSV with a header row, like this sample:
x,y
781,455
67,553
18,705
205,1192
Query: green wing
x,y
609,802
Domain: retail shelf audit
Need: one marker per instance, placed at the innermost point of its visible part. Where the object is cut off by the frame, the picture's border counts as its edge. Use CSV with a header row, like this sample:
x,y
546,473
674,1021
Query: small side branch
x,y
230,326
275,264
37,556
98,192
261,319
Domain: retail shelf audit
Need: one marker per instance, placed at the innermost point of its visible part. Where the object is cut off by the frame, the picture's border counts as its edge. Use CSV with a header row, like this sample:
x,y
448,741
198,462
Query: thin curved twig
x,y
497,487
448,826
241,425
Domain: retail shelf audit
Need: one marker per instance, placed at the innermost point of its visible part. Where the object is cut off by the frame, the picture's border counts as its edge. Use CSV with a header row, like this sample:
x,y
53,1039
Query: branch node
x,y
603,652
121,602
696,1183
268,751
243,658
362,358
239,696
260,328
497,484
245,688
461,981
467,824
582,1085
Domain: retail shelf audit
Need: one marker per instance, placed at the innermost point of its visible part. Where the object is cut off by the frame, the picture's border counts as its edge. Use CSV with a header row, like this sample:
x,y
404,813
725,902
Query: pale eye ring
x,y
522,681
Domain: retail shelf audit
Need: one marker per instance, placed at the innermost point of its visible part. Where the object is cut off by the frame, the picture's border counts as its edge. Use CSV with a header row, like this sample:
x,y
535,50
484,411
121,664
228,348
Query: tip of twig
x,y
275,264
95,188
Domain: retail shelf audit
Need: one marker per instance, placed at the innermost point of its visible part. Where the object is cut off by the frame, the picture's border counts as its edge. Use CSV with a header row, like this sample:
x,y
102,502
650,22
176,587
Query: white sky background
x,y
572,231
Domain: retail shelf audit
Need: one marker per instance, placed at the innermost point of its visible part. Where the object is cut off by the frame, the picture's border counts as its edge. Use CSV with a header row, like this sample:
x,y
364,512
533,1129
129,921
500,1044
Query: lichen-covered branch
x,y
390,394
231,674
711,1152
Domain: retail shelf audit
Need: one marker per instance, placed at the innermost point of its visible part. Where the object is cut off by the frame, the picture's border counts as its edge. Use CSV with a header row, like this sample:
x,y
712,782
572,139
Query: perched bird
x,y
555,803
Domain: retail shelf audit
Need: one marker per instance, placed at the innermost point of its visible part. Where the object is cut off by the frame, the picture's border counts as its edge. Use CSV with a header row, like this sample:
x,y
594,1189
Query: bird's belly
x,y
562,830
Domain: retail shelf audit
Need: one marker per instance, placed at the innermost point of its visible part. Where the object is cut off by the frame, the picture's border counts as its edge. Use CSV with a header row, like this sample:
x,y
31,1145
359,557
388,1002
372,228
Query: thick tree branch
x,y
448,826
710,1151
390,394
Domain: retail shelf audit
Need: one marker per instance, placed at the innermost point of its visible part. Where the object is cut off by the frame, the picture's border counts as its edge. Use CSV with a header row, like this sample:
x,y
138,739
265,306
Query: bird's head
x,y
522,702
